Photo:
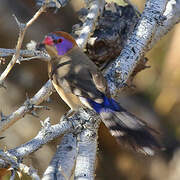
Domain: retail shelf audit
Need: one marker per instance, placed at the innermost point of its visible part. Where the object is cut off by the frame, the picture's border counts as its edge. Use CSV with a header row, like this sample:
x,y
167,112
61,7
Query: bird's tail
x,y
127,128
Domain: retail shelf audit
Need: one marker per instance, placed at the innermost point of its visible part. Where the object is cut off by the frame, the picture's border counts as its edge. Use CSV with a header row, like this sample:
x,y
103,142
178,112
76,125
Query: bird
x,y
80,83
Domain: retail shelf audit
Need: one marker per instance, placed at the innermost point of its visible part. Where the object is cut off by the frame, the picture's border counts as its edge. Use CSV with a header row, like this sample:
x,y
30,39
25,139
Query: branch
x,y
172,17
95,9
22,30
25,53
120,70
49,132
53,3
63,162
16,166
87,148
86,159
27,107
46,134
81,121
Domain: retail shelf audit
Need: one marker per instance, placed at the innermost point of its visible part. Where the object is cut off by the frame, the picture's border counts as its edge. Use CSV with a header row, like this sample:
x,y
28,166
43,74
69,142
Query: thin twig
x,y
25,53
29,171
46,134
22,28
28,106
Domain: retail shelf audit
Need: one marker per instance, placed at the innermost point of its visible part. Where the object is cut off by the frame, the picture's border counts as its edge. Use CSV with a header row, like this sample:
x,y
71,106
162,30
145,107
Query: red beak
x,y
48,41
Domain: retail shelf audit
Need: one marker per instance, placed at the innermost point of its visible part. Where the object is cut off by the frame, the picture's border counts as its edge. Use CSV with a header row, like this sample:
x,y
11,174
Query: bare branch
x,y
172,17
79,122
53,3
22,30
12,160
120,70
85,163
87,148
46,134
63,162
16,166
38,98
95,9
34,54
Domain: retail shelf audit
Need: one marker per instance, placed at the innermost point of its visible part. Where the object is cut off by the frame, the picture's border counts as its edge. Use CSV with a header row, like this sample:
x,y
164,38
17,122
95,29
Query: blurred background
x,y
156,98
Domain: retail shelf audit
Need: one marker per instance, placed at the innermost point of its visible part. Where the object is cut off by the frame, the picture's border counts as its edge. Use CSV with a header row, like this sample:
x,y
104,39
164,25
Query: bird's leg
x,y
67,114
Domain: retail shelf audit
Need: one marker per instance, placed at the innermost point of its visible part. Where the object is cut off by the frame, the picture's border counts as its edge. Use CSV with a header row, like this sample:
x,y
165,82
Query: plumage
x,y
80,83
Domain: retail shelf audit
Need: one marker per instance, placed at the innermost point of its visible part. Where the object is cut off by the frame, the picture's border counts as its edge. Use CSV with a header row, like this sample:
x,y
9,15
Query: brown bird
x,y
80,83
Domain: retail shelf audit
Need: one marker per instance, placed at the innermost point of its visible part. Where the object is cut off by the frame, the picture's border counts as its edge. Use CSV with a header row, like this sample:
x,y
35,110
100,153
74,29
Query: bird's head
x,y
58,43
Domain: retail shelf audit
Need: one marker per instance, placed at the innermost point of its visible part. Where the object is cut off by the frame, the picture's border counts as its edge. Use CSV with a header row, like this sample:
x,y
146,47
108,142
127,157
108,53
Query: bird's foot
x,y
67,114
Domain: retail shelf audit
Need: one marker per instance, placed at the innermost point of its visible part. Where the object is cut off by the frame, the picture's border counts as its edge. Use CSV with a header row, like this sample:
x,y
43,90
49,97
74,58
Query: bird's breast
x,y
58,70
70,99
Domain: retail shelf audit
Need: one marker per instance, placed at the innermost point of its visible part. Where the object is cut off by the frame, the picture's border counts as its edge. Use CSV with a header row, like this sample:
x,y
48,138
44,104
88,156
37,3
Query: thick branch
x,y
89,24
87,147
120,70
172,17
63,162
85,162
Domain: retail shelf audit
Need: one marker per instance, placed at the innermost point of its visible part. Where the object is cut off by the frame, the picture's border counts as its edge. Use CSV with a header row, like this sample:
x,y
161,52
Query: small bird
x,y
80,83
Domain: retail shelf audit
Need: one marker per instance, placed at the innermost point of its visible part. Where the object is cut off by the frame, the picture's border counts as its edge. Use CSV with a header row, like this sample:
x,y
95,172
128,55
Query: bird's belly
x,y
70,99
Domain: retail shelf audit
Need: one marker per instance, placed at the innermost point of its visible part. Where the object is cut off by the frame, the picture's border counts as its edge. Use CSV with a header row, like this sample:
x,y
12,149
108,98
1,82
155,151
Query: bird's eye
x,y
56,41
59,40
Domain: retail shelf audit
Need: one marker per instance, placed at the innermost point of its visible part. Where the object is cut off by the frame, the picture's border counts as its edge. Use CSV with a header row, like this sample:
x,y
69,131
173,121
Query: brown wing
x,y
81,77
100,82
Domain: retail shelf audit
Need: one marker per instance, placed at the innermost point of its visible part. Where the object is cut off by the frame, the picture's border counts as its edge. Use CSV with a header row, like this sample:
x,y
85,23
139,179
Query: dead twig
x,y
22,30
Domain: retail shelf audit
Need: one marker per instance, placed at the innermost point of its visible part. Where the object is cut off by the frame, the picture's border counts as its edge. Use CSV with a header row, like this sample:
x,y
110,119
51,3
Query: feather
x,y
79,82
131,131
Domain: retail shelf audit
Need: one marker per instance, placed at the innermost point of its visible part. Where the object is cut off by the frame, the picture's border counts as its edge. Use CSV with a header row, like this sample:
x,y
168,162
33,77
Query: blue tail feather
x,y
125,126
108,104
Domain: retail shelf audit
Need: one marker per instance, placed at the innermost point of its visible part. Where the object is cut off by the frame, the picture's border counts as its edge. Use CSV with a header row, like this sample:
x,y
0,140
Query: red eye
x,y
59,40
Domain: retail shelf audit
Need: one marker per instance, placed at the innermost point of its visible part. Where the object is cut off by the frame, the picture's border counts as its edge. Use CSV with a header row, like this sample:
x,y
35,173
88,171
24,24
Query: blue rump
x,y
108,104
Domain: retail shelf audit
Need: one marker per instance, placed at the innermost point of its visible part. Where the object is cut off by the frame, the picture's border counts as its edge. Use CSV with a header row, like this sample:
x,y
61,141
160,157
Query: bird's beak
x,y
40,46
